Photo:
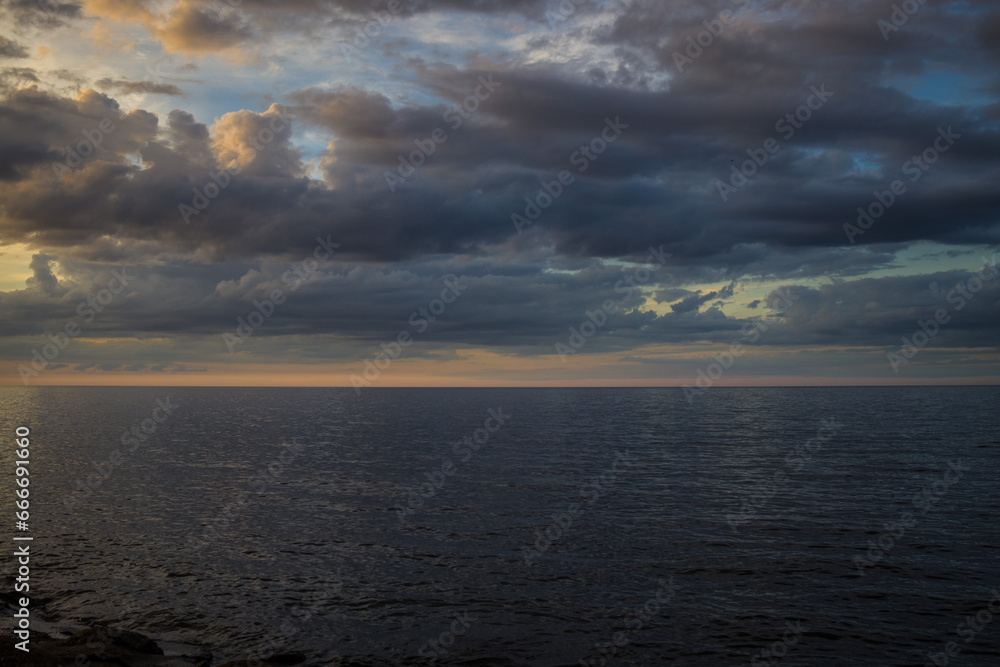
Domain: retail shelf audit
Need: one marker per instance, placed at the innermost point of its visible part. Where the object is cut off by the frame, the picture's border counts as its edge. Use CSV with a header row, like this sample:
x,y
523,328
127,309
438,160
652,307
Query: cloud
x,y
42,279
256,144
30,14
13,78
350,113
194,28
11,49
308,142
695,301
126,87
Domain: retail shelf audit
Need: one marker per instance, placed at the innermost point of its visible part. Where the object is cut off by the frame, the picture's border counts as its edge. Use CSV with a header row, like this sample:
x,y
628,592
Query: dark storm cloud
x,y
503,304
695,301
11,49
289,13
351,113
654,185
40,14
16,156
13,78
880,311
149,87
679,143
194,27
42,277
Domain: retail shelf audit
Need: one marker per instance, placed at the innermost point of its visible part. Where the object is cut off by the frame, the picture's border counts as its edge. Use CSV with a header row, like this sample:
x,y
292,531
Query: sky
x,y
378,193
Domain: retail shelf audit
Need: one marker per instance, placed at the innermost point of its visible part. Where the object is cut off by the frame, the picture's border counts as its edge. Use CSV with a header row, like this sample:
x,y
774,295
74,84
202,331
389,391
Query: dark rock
x,y
125,639
95,647
276,660
282,659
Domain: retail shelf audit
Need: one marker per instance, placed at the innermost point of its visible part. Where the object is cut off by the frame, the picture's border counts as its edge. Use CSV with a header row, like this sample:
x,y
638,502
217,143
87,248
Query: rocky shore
x,y
105,646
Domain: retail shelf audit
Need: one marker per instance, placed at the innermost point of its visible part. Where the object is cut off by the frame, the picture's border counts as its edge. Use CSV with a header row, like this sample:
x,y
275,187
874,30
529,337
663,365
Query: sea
x,y
532,526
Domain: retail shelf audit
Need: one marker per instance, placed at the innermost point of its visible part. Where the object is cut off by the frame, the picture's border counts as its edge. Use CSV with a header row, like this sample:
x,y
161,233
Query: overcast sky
x,y
557,184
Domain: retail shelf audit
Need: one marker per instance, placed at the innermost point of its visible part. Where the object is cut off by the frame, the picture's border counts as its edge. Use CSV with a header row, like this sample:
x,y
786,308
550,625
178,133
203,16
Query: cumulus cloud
x,y
256,143
42,279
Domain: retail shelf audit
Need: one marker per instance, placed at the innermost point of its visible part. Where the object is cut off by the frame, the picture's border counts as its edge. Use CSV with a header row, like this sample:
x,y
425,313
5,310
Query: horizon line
x,y
457,386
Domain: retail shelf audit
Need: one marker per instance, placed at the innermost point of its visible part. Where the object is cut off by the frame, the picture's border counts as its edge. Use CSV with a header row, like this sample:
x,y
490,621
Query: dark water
x,y
320,558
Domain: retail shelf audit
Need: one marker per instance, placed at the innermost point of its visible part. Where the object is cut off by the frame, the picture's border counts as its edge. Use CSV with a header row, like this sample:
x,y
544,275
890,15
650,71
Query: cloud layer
x,y
534,150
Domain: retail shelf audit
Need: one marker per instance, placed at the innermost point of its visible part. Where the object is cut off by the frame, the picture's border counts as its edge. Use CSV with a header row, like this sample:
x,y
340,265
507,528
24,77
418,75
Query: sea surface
x,y
763,526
